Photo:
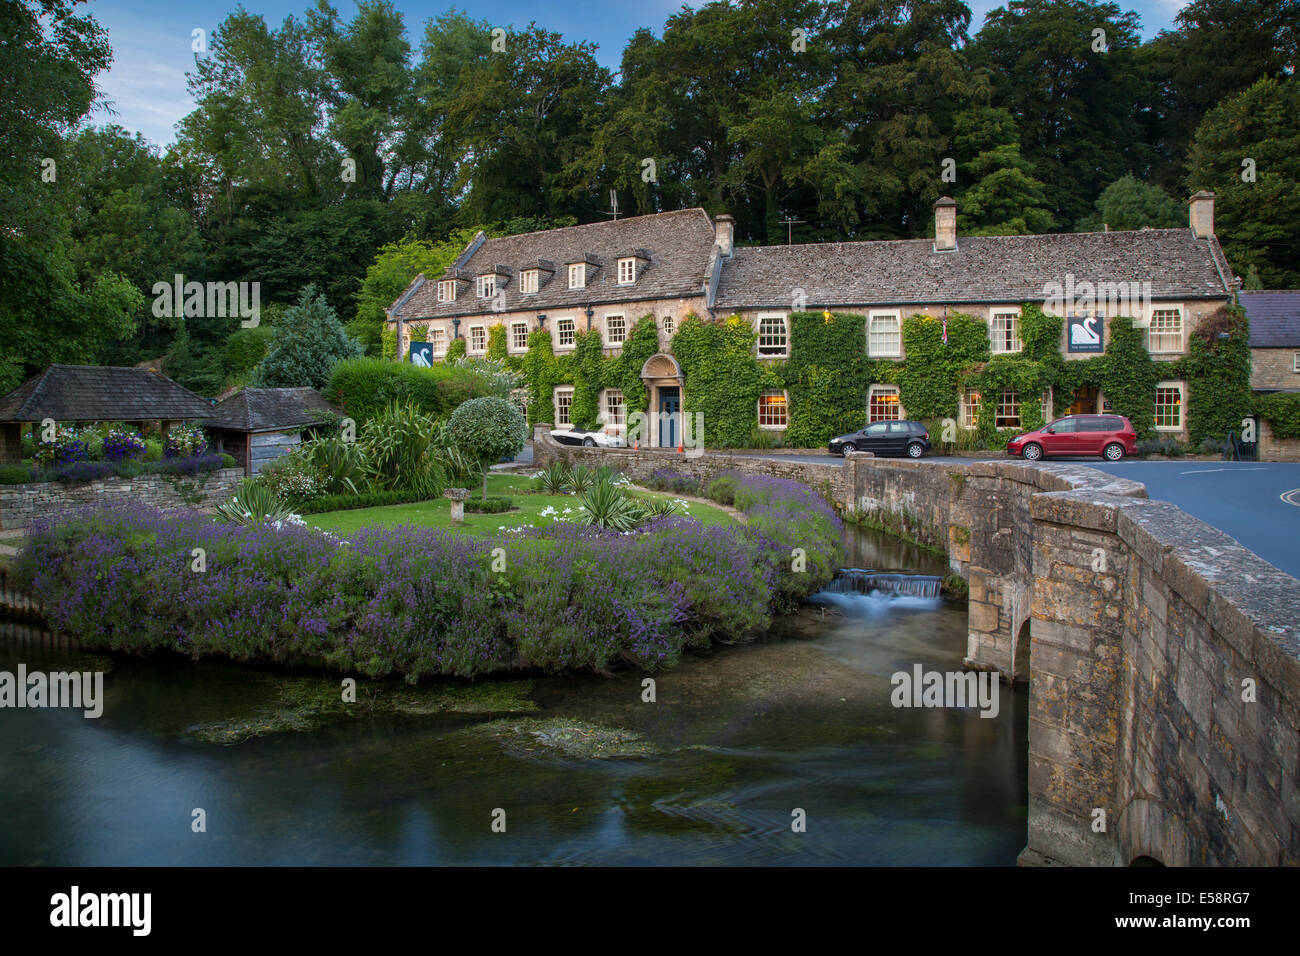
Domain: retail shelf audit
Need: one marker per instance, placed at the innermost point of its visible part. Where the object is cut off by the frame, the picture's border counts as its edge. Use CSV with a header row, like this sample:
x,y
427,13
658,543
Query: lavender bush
x,y
421,602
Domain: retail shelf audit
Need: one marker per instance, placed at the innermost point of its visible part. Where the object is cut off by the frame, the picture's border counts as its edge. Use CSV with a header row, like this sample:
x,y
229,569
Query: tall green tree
x,y
1002,198
1128,203
1247,150
308,341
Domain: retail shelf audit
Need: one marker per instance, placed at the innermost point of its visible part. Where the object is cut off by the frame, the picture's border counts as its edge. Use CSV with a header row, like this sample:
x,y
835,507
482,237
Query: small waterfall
x,y
859,581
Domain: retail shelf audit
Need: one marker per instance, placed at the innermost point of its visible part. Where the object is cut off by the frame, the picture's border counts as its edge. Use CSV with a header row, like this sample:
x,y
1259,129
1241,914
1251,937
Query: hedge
x,y
363,387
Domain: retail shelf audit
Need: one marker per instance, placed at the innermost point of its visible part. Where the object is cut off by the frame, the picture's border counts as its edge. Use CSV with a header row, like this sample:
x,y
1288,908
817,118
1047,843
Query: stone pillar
x,y
457,497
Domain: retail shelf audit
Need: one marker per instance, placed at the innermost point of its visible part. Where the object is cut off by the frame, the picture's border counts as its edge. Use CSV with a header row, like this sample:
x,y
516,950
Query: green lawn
x,y
527,511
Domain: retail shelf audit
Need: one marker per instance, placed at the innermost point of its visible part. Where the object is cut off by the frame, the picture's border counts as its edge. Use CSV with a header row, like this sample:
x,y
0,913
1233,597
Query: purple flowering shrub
x,y
184,440
121,444
423,602
669,479
68,445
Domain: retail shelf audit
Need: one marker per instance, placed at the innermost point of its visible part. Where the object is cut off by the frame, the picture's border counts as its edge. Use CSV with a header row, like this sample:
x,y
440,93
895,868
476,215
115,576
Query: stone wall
x,y
1276,449
20,504
1163,658
1273,369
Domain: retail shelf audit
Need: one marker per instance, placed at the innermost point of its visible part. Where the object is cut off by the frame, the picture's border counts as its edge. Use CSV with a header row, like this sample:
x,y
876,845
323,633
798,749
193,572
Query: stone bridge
x,y
1163,658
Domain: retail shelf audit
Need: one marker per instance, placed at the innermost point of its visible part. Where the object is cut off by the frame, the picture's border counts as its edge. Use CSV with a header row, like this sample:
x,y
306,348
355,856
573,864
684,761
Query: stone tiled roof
x,y
981,269
1274,318
94,393
677,244
271,409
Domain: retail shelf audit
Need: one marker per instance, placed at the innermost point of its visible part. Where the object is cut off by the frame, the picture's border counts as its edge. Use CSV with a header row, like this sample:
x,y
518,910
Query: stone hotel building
x,y
606,276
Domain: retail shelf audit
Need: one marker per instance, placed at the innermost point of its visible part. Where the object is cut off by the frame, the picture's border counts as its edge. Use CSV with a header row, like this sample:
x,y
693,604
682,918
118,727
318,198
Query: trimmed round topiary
x,y
488,429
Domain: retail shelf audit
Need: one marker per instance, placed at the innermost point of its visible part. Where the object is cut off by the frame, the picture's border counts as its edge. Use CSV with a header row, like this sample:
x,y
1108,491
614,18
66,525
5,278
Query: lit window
x,y
564,330
773,338
1169,406
1005,332
519,336
615,330
563,402
1165,334
438,339
970,407
487,286
528,281
882,404
1046,408
668,331
478,339
1008,413
577,275
615,413
884,339
447,290
626,271
773,409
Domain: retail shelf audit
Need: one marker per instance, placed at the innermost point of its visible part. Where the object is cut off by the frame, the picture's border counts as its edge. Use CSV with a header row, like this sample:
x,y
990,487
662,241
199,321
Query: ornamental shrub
x,y
67,446
183,440
308,340
121,444
1282,411
493,505
488,429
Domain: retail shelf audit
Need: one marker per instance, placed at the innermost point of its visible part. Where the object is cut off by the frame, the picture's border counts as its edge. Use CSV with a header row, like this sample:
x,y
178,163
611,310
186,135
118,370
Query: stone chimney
x,y
945,224
724,233
1202,215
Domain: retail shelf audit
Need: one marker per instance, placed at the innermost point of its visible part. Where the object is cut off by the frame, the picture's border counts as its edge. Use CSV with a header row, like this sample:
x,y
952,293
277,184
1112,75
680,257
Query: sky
x,y
152,39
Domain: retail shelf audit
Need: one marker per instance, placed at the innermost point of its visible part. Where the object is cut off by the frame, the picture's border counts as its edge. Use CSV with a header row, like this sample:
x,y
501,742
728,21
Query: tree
x,y
308,340
1247,150
489,429
1003,198
1129,204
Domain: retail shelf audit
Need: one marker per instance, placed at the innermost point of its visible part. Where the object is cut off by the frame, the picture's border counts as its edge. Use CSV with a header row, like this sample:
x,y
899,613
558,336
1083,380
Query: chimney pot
x,y
1202,214
945,224
724,233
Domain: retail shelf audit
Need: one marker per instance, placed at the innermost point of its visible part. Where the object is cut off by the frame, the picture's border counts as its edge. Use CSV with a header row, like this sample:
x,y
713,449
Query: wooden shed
x,y
257,425
95,393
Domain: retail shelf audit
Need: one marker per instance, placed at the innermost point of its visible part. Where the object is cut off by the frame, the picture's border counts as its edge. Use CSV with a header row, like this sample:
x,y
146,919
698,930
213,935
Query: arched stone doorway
x,y
665,391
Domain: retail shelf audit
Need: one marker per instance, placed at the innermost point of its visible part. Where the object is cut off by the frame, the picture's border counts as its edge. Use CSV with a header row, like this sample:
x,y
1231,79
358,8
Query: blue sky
x,y
151,39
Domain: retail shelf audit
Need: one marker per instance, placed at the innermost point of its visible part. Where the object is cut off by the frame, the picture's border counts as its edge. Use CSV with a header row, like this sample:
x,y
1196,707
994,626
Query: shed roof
x,y
1274,318
98,393
271,409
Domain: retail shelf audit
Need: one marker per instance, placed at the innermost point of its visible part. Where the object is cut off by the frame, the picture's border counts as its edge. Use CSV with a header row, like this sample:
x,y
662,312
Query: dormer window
x,y
487,286
528,281
577,275
627,271
447,290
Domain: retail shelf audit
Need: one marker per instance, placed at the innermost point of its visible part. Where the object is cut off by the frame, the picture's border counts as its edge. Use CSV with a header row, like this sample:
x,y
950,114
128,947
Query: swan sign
x,y
1086,333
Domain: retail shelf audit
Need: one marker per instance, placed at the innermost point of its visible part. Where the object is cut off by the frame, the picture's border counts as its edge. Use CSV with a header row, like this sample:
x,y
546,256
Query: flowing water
x,y
737,742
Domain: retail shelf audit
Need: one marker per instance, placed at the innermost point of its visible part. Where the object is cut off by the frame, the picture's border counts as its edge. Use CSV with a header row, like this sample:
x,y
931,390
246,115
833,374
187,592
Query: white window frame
x,y
670,325
577,275
446,290
1002,403
1296,366
785,334
785,395
438,337
1048,402
511,345
1181,333
873,391
609,342
559,332
969,408
898,332
995,338
469,340
528,281
1181,387
607,409
487,286
565,419
627,271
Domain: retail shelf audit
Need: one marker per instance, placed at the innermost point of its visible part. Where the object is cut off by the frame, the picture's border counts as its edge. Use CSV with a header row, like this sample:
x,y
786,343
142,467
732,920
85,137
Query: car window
x,y
878,428
897,427
1113,424
1095,424
1065,426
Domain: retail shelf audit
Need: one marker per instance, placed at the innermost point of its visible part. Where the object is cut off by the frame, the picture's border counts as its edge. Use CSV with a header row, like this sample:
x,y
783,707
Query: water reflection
x,y
747,734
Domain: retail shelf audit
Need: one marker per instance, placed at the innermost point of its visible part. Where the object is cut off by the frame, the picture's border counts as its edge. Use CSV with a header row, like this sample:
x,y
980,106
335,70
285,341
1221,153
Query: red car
x,y
1110,436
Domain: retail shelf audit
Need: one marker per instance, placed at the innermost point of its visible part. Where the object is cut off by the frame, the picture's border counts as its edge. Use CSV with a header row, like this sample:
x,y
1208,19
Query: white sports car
x,y
580,436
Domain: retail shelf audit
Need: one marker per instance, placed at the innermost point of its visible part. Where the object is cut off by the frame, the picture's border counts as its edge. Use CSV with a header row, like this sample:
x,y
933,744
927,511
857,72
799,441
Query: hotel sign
x,y
1085,333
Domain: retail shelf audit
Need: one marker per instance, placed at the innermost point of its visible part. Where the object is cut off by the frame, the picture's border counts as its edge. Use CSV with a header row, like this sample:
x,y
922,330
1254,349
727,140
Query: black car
x,y
885,438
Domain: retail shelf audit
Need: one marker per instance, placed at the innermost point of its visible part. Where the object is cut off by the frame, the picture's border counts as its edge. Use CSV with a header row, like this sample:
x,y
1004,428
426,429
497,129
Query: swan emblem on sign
x,y
1085,332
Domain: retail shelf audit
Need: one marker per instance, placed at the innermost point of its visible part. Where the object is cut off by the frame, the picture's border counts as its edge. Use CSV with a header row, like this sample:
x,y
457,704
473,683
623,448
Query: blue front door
x,y
670,406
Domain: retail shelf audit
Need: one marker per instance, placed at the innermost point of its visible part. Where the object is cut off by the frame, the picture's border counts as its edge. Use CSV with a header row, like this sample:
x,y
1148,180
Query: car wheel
x,y
915,450
847,451
589,443
1031,452
1113,452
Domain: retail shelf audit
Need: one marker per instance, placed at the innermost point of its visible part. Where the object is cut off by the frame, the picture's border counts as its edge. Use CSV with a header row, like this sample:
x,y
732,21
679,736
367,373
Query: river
x,y
783,751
